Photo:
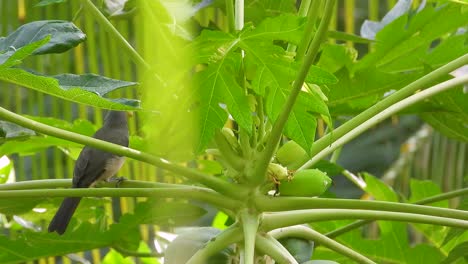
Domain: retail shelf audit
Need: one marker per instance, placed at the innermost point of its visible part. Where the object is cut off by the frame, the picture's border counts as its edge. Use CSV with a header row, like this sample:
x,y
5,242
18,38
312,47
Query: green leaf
x,y
15,206
300,249
331,169
334,57
212,46
189,242
167,213
301,125
391,233
49,2
115,257
455,233
26,142
216,86
30,246
454,122
273,76
459,251
257,11
406,35
378,189
99,85
64,35
286,27
6,168
10,131
423,189
14,56
89,95
381,249
339,35
355,93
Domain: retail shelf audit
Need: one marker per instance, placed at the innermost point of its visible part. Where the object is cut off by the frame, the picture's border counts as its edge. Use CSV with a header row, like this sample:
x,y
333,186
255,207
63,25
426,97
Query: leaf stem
x,y
115,35
273,248
433,199
230,15
261,120
309,30
230,189
304,9
422,82
66,183
227,237
312,235
228,153
274,204
382,115
277,130
174,192
239,12
249,226
276,220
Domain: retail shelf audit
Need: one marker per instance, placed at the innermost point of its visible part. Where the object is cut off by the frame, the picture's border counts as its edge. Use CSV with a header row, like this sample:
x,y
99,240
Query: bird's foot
x,y
117,180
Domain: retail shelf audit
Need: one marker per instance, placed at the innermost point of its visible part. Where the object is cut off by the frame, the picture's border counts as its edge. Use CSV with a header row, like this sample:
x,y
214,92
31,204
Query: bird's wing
x,y
89,166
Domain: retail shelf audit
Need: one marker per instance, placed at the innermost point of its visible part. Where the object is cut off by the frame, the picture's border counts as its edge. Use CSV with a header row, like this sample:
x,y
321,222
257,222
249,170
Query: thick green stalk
x,y
275,204
271,247
207,196
318,238
230,15
277,130
433,199
232,190
276,220
227,237
239,15
249,225
303,11
66,183
421,83
384,114
309,29
228,153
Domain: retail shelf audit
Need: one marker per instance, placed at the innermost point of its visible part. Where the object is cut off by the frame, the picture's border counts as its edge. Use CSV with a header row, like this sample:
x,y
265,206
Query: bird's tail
x,y
64,214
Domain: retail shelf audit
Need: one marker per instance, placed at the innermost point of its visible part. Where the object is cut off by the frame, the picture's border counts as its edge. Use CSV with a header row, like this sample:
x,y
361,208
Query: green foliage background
x,y
97,55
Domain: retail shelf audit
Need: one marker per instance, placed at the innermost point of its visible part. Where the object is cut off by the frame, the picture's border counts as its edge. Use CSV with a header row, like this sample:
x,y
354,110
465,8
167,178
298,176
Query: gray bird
x,y
94,165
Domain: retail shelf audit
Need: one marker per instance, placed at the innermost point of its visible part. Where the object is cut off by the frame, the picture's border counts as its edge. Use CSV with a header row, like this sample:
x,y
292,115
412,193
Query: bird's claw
x,y
117,180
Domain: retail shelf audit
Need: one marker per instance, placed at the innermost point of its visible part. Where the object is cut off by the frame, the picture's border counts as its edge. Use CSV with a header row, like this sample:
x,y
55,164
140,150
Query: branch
x,y
271,247
421,83
310,234
227,237
249,225
273,204
384,114
230,15
115,35
433,199
66,183
231,190
194,193
276,220
277,130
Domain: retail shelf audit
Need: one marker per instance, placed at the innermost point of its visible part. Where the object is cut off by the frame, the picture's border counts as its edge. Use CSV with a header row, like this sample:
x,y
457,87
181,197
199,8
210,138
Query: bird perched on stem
x,y
94,165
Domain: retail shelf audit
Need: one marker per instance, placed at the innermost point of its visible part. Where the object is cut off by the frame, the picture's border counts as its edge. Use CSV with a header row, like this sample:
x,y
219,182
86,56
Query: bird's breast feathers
x,y
113,165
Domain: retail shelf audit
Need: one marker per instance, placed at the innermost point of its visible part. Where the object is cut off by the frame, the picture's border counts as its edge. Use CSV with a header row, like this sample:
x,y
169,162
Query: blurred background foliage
x,y
396,150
